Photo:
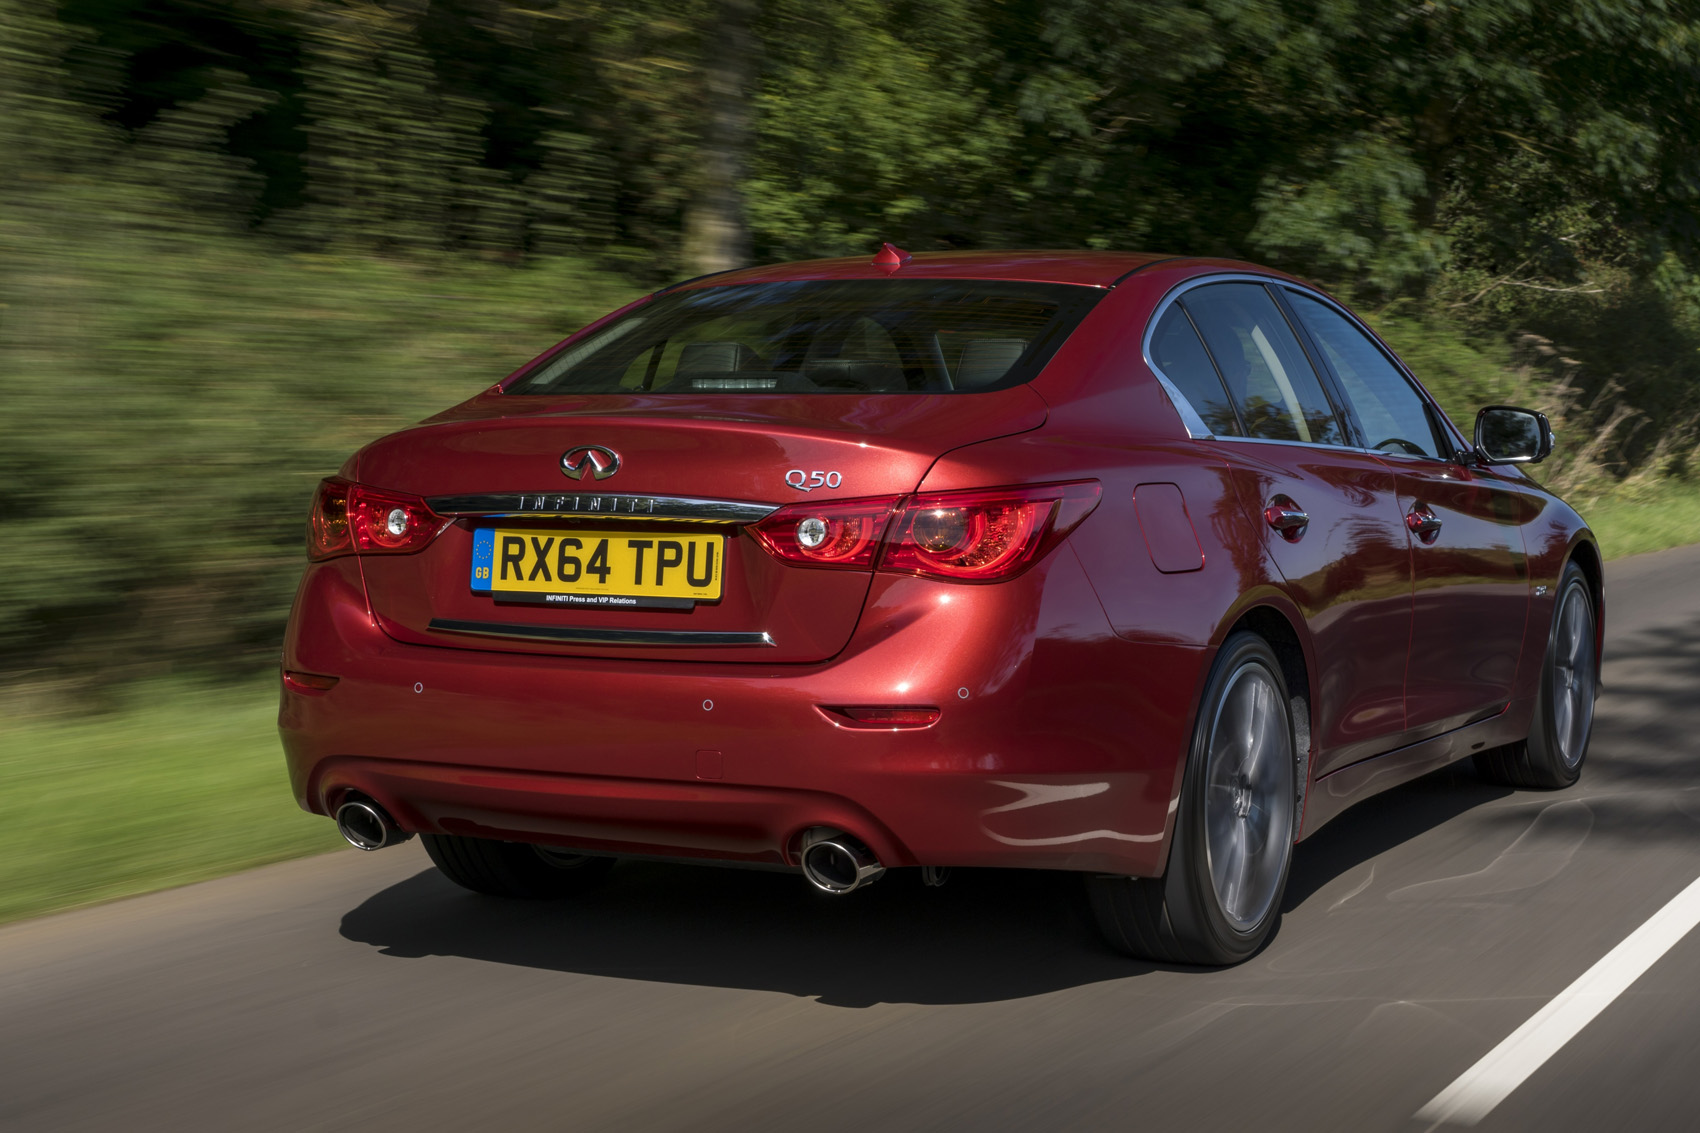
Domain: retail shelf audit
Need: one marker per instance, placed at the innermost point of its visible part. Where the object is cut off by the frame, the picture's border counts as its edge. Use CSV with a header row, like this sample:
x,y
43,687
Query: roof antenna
x,y
891,257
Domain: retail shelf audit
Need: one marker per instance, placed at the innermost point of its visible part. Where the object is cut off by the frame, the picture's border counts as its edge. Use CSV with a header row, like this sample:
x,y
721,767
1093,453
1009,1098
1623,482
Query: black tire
x,y
514,869
1231,791
1551,758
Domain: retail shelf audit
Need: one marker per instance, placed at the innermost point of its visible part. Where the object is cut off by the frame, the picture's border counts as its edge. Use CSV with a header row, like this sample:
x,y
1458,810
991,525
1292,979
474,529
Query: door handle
x,y
1422,522
1287,518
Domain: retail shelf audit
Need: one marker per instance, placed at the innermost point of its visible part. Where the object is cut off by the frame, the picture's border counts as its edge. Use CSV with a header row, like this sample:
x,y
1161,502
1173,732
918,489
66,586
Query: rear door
x,y
1329,515
1470,600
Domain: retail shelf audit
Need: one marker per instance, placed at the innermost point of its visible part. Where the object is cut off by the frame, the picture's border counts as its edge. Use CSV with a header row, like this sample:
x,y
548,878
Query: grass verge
x,y
179,783
1664,515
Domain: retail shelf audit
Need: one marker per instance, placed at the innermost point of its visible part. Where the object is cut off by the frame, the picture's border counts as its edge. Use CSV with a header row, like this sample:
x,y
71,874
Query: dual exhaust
x,y
837,863
833,861
367,826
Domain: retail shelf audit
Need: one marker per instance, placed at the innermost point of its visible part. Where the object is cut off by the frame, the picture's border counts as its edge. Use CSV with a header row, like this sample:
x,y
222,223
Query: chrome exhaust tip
x,y
365,826
836,863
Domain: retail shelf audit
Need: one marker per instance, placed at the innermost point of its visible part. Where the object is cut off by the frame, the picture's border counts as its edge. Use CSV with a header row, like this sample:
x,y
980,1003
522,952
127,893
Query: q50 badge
x,y
809,481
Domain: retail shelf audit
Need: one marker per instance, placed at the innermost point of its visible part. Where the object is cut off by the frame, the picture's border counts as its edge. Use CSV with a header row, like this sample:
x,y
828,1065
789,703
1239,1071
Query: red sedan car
x,y
1136,566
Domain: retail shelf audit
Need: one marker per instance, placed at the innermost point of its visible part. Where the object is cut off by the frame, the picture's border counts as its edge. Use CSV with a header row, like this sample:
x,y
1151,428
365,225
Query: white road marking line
x,y
1505,1067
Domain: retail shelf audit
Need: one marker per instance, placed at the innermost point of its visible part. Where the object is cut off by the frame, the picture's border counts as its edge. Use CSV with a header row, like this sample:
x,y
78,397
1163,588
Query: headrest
x,y
985,360
714,357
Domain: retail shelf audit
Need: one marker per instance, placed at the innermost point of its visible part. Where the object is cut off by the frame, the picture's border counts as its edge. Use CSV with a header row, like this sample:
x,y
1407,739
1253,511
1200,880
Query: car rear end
x,y
679,589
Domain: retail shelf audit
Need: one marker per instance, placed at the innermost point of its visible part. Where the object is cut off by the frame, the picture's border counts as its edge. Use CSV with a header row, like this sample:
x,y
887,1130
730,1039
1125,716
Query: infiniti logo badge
x,y
600,462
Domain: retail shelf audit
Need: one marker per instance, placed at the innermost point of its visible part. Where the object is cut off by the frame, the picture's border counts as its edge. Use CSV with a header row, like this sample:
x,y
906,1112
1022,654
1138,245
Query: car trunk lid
x,y
690,472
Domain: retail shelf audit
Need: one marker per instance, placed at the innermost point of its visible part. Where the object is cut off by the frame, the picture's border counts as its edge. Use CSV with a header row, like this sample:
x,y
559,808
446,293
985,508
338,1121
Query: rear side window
x,y
1267,374
1178,353
1394,416
828,336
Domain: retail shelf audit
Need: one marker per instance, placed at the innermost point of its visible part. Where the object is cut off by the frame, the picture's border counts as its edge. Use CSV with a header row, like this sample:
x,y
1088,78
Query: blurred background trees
x,y
239,237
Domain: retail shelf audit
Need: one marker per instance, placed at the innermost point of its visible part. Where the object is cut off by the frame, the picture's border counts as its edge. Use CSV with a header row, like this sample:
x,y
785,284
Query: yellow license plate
x,y
603,569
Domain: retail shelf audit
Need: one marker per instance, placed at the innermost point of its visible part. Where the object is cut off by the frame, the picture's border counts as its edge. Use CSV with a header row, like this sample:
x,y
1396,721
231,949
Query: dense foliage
x,y
239,236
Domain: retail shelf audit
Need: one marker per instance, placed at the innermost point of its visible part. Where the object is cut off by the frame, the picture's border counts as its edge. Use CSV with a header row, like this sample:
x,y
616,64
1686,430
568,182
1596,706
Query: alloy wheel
x,y
1248,812
1573,676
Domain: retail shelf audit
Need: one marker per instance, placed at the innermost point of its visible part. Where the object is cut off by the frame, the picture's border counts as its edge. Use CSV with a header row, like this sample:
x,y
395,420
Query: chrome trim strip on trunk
x,y
588,635
615,505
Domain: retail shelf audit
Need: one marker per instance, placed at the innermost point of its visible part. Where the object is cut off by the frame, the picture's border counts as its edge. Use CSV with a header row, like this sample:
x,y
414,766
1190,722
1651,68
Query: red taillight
x,y
390,522
844,534
355,519
896,717
984,535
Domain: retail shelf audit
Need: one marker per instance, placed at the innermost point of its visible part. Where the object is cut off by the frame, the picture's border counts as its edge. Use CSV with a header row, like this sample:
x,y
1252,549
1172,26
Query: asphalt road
x,y
360,991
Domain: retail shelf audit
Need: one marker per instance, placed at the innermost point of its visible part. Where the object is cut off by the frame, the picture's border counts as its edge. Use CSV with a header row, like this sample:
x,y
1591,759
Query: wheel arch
x,y
1278,629
1170,917
1269,614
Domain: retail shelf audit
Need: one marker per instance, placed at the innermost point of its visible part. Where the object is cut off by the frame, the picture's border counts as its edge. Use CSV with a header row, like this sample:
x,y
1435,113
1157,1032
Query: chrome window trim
x,y
1194,424
1331,448
1297,444
599,505
596,635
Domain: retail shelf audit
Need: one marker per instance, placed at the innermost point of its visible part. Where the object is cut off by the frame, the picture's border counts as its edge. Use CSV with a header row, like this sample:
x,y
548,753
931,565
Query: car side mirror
x,y
1508,435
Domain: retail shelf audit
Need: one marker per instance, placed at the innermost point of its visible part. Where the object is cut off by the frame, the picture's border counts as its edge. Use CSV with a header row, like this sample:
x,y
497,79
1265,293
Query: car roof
x,y
1091,269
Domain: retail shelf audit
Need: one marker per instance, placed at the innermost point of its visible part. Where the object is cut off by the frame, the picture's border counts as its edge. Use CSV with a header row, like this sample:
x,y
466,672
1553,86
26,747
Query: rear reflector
x,y
308,682
893,717
350,518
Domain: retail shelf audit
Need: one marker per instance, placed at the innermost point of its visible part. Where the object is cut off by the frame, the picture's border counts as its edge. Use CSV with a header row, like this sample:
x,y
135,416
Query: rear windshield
x,y
872,336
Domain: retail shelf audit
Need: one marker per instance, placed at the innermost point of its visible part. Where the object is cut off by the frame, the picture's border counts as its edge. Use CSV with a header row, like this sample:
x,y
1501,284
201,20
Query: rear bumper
x,y
1058,744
